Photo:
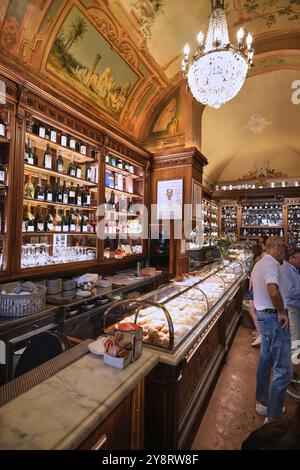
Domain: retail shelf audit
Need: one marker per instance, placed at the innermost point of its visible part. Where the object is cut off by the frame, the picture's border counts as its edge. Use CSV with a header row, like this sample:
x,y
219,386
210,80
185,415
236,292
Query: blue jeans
x,y
275,353
294,316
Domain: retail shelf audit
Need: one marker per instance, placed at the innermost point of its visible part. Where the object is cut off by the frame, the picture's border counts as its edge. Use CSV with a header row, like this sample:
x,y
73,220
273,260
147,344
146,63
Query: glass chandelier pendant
x,y
218,69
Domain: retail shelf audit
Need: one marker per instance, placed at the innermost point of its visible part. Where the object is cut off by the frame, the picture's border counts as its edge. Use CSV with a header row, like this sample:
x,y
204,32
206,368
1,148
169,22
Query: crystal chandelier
x,y
217,70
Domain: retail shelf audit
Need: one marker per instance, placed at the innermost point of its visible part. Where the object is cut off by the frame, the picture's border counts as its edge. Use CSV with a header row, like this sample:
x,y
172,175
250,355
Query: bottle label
x,y
40,227
59,198
42,132
72,228
65,199
78,173
72,194
58,228
2,130
2,176
83,149
73,173
65,228
48,162
64,140
30,228
79,201
53,136
60,167
41,197
84,228
50,227
30,161
49,197
72,144
88,200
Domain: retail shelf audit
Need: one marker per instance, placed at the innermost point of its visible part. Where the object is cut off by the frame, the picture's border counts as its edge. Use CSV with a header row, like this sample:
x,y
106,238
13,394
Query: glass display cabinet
x,y
169,314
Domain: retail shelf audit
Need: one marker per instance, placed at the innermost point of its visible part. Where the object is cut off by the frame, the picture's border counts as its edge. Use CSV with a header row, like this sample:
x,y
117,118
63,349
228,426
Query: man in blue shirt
x,y
290,279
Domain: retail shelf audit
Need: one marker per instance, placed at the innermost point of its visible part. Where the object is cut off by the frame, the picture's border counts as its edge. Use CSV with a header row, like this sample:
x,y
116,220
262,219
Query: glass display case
x,y
169,314
203,256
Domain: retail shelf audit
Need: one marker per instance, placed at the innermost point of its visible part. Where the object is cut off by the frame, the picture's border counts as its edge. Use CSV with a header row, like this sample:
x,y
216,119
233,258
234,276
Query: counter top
x,y
65,409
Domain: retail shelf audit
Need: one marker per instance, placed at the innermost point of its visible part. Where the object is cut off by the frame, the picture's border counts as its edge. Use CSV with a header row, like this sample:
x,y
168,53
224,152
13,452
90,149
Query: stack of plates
x,y
68,284
54,286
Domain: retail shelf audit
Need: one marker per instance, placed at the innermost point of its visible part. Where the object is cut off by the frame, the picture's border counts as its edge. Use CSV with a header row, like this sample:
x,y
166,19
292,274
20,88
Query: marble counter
x,y
62,411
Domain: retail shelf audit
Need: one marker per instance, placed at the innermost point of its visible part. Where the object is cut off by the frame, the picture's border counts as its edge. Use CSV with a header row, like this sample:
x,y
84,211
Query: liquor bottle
x,y
35,128
112,199
48,222
38,193
38,221
2,126
28,123
63,140
59,164
71,221
87,197
28,222
65,196
78,171
72,143
47,133
53,136
78,199
88,175
71,194
71,169
64,222
29,191
57,222
48,158
2,174
58,194
48,195
42,131
84,223
77,221
35,157
28,153
82,148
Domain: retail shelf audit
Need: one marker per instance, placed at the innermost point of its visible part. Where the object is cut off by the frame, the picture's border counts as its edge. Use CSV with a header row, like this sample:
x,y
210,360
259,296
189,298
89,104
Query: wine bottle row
x,y
59,137
62,194
72,169
112,160
294,224
270,215
69,221
261,232
229,220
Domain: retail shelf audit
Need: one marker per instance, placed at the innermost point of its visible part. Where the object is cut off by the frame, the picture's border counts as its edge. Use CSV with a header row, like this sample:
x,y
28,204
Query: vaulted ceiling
x,y
121,59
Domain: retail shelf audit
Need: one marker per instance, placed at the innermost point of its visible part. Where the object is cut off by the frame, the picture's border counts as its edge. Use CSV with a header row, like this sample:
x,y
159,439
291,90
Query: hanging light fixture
x,y
218,69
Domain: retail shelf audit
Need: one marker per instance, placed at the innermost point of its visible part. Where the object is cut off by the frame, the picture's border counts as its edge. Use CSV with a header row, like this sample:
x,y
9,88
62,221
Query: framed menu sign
x,y
169,199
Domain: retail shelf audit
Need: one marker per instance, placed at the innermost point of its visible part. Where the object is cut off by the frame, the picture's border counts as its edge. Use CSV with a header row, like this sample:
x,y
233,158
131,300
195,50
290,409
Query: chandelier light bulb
x,y
240,35
249,40
186,50
218,69
200,38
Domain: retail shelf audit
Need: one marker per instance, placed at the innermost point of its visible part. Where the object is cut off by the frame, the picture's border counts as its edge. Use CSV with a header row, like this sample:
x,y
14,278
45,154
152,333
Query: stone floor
x,y
230,416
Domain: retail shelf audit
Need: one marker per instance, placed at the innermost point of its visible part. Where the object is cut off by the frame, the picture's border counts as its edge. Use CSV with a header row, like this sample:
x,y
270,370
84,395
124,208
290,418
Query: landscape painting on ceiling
x,y
85,60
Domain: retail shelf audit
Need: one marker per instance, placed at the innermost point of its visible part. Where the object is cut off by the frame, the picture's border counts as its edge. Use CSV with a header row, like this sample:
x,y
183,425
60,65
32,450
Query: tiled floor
x,y
230,416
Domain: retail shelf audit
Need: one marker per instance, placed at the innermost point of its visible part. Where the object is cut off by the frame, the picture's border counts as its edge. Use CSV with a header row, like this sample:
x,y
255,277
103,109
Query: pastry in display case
x,y
169,314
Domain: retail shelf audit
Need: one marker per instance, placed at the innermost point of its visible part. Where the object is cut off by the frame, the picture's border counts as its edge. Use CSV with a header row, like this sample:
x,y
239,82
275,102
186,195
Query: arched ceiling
x,y
260,125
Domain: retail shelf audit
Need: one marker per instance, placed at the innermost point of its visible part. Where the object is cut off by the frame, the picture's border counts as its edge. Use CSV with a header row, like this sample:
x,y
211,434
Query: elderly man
x,y
272,316
291,282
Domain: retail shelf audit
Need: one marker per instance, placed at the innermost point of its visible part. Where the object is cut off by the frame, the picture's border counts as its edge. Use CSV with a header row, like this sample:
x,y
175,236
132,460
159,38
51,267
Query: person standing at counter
x,y
291,281
275,350
257,254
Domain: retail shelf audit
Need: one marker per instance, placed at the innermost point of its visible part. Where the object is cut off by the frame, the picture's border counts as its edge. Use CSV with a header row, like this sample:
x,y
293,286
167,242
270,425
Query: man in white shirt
x,y
275,350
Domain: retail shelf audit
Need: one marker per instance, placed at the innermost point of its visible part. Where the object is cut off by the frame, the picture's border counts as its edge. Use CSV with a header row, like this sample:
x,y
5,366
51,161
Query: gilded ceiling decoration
x,y
262,172
257,124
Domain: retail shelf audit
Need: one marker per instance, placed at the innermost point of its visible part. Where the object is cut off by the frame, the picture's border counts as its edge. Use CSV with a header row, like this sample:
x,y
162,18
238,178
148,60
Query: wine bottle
x,y
82,148
71,169
28,223
88,175
78,196
38,193
28,123
35,157
53,136
94,153
2,174
72,143
64,223
42,130
71,221
48,222
63,140
71,194
65,197
84,223
57,222
112,199
58,194
59,164
48,195
28,153
2,126
47,133
38,221
86,197
48,158
78,171
120,164
29,190
77,221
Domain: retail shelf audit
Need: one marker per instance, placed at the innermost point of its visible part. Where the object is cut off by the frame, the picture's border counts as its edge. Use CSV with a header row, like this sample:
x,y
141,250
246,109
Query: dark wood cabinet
x,y
123,428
